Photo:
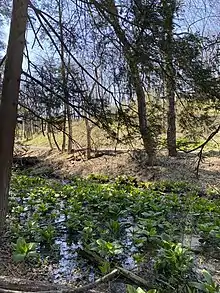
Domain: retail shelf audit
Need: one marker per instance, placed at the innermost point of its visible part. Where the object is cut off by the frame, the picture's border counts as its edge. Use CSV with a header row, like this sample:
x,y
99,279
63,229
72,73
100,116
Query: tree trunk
x,y
169,81
54,139
146,134
64,80
64,130
48,135
70,130
171,124
88,137
9,101
145,131
24,129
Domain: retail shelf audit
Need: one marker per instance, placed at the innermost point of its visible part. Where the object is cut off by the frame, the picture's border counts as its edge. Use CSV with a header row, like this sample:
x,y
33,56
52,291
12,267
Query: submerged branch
x,y
15,285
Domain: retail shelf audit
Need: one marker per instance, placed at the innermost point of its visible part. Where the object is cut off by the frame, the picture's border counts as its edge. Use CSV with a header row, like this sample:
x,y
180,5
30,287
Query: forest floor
x,y
41,161
127,162
38,159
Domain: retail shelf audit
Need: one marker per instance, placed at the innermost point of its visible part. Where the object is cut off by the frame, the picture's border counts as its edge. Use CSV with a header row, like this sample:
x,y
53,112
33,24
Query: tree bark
x,y
9,101
64,130
70,130
146,134
169,81
48,135
88,139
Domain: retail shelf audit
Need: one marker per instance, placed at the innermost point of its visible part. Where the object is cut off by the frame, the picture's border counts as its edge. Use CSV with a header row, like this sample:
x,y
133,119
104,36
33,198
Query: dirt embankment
x,y
124,162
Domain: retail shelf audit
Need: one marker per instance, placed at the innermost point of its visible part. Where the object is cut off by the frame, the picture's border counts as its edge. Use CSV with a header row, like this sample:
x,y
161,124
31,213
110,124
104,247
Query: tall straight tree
x,y
169,9
9,100
67,110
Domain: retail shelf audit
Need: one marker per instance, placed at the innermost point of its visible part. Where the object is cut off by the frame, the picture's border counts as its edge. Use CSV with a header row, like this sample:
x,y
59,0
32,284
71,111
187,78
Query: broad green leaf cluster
x,y
124,222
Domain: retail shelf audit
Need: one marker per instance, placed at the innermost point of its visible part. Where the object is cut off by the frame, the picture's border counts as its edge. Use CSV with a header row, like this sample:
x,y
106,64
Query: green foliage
x,y
196,120
105,267
208,285
99,178
23,250
106,248
173,265
116,219
173,259
210,233
184,143
47,234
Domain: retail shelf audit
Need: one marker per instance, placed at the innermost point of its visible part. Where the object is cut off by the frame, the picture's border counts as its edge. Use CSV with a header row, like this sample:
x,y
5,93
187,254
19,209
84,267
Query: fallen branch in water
x,y
15,285
133,278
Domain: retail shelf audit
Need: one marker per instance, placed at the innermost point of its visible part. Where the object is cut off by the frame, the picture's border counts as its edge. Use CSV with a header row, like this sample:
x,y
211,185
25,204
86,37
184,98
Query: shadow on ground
x,y
124,162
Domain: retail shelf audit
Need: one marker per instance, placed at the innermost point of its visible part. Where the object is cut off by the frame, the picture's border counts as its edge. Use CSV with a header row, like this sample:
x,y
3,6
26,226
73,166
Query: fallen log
x,y
92,256
134,279
15,285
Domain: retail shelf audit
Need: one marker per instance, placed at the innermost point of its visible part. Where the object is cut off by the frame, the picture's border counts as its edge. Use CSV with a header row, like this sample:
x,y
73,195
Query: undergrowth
x,y
142,226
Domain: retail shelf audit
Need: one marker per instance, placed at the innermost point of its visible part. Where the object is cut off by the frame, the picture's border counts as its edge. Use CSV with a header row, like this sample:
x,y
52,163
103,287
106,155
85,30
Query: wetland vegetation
x,y
165,232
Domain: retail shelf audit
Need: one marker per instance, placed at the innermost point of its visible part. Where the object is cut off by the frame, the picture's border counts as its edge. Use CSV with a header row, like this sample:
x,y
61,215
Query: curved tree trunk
x,y
9,101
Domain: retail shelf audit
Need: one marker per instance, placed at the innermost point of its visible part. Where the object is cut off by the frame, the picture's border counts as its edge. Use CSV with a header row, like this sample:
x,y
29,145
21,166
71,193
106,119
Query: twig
x,y
202,146
2,61
205,142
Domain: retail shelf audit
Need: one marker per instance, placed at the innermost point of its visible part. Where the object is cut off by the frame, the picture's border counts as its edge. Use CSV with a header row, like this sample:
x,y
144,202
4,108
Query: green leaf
x,y
31,246
17,257
32,254
139,290
208,277
199,286
165,237
21,241
131,289
100,242
109,245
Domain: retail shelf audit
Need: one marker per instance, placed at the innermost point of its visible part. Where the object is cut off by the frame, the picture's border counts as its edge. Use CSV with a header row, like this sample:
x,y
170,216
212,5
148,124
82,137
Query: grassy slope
x,y
99,137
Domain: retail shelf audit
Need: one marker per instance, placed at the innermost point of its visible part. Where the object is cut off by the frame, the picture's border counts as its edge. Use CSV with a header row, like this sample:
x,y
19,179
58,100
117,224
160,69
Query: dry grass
x,y
99,137
181,168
